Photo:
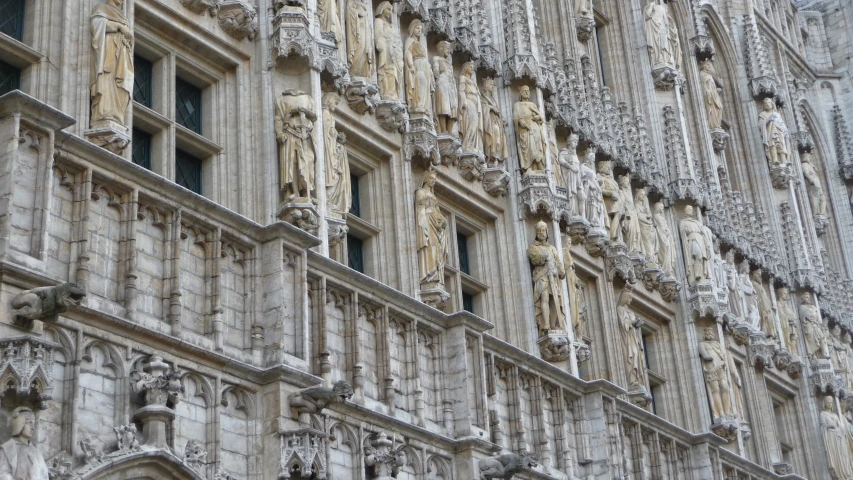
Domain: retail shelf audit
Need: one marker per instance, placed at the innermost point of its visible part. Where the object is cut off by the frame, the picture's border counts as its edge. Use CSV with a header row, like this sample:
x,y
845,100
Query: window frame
x,y
181,155
143,67
19,33
137,135
195,94
13,79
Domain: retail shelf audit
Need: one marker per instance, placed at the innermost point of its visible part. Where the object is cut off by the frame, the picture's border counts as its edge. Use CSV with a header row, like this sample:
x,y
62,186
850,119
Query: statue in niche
x,y
360,45
836,439
591,203
294,122
419,80
816,193
733,285
584,8
112,64
389,55
712,88
813,328
747,290
632,340
470,110
787,319
338,188
432,233
569,167
609,186
330,20
494,133
529,132
738,387
777,139
718,265
666,242
446,95
674,43
574,288
715,365
697,248
548,275
624,225
20,458
658,34
553,153
648,236
765,305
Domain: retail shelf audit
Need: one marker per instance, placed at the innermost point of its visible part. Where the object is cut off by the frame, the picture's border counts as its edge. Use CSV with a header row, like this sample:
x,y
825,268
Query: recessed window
x,y
467,302
188,171
355,206
141,149
142,80
355,253
12,18
601,65
188,105
10,77
462,247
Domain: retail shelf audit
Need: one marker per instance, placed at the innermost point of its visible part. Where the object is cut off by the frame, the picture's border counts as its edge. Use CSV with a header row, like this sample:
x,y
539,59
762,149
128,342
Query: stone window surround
x,y
365,226
785,399
21,55
456,281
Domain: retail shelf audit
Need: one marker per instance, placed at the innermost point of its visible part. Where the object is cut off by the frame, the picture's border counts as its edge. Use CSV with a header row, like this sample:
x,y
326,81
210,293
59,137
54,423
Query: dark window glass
x,y
355,208
600,57
355,253
467,302
188,171
10,77
142,79
646,350
462,246
188,105
12,18
141,149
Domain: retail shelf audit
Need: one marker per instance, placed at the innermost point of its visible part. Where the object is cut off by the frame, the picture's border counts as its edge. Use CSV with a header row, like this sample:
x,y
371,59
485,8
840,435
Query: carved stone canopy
x,y
26,370
303,454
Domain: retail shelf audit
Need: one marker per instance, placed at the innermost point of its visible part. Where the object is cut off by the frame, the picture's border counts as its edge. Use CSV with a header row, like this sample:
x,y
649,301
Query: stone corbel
x,y
760,351
555,346
585,27
466,41
618,263
703,48
421,141
471,165
441,22
237,18
291,35
45,303
361,95
303,452
392,116
496,181
726,427
314,400
158,388
201,6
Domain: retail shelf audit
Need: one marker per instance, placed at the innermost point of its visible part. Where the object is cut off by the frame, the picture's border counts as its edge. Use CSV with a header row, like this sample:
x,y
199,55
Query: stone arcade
x,y
426,239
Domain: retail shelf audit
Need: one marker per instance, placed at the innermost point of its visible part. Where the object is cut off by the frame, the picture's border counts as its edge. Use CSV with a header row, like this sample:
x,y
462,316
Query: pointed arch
x,y
144,464
112,357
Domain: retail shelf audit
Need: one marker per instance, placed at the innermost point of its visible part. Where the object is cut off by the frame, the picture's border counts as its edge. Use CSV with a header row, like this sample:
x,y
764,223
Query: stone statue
x,y
816,193
529,132
624,226
836,440
648,236
632,340
432,233
813,328
591,203
569,167
574,288
360,46
316,399
384,461
330,20
20,458
419,80
697,248
777,139
112,64
507,465
470,110
665,241
446,95
494,133
765,305
732,283
715,365
712,88
750,298
548,275
658,35
787,320
338,188
294,121
42,302
609,188
674,43
389,54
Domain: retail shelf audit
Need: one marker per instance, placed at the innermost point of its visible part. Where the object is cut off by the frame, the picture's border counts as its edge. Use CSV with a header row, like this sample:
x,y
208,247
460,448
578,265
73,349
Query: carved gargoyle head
x,y
343,390
529,460
72,292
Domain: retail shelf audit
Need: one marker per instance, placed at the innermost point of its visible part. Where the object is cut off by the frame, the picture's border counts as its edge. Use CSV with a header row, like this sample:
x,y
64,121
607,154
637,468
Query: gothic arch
x,y
144,465
111,354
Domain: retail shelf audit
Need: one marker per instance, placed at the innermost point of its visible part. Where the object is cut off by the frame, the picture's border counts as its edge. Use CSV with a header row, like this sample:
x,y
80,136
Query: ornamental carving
x,y
26,370
303,454
44,303
316,399
238,19
507,465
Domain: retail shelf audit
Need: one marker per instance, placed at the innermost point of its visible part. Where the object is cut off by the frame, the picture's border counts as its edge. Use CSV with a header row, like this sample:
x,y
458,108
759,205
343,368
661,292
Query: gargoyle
x,y
43,302
507,465
315,399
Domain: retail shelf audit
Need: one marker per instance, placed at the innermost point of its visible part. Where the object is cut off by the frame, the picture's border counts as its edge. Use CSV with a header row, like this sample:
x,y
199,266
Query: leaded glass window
x,y
12,18
188,171
141,149
467,302
355,253
188,105
10,77
142,81
355,207
462,247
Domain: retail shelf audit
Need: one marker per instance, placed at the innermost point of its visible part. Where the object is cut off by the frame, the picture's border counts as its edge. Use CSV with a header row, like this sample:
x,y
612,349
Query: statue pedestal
x,y
821,223
665,77
669,288
434,295
555,346
585,26
726,427
795,369
361,95
578,229
496,181
617,262
302,213
702,299
109,135
782,359
420,139
719,139
780,176
822,377
392,115
640,397
597,241
448,148
471,165
760,351
155,420
652,276
336,234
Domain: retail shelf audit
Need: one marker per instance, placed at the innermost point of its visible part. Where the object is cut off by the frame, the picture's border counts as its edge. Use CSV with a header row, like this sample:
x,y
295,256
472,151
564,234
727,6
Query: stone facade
x,y
586,239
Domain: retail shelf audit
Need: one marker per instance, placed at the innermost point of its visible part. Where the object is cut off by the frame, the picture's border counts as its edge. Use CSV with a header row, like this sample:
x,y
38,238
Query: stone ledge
x,y
17,102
